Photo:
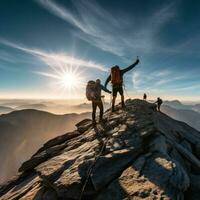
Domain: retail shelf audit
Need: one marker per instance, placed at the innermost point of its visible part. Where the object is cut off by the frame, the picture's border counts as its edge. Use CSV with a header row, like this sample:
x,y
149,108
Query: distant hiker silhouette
x,y
93,93
116,78
145,97
159,103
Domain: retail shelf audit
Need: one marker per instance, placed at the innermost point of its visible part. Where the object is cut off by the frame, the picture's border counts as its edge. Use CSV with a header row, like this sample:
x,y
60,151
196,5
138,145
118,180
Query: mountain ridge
x,y
5,109
137,153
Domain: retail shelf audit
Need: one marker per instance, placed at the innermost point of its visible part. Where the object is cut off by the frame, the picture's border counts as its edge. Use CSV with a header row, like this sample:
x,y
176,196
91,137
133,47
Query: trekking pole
x,y
110,99
91,168
126,91
102,97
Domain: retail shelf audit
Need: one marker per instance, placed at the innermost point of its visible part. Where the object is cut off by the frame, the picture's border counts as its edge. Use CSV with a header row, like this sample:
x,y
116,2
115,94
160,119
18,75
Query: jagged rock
x,y
104,172
159,144
137,153
61,139
189,156
83,125
197,150
21,189
194,191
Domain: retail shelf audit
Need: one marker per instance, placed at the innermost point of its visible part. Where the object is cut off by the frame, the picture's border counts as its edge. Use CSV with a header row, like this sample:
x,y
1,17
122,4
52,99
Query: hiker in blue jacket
x,y
97,101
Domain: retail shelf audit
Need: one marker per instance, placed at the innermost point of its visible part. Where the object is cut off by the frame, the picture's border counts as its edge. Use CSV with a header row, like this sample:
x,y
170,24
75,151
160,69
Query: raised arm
x,y
130,67
105,89
107,81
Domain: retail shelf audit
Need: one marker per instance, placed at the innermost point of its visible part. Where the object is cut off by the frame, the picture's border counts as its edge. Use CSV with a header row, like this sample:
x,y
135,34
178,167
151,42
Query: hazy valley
x,y
23,132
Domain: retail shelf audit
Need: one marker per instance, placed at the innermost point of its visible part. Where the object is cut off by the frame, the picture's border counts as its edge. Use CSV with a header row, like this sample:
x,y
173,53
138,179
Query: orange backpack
x,y
115,75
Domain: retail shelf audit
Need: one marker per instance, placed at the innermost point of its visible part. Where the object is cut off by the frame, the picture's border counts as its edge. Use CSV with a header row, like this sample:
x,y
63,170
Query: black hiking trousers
x,y
159,107
95,104
116,89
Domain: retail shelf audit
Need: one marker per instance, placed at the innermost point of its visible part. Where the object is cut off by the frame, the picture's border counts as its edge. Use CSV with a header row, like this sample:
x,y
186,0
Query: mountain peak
x,y
175,101
136,153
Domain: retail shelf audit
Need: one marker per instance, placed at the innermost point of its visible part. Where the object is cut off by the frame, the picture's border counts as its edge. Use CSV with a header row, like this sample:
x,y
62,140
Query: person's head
x,y
98,81
115,66
158,98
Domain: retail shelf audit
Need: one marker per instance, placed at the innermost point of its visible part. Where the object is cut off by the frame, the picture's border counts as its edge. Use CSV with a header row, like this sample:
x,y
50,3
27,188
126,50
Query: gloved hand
x,y
137,61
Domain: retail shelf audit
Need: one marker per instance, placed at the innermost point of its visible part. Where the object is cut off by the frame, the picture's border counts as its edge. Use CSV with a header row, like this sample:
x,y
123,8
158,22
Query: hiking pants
x,y
116,89
96,104
159,107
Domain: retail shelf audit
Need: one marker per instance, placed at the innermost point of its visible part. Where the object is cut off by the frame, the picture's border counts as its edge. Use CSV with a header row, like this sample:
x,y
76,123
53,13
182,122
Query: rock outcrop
x,y
137,153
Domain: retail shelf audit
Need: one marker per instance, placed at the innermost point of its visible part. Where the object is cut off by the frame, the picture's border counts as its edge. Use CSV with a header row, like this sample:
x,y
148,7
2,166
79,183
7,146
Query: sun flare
x,y
69,80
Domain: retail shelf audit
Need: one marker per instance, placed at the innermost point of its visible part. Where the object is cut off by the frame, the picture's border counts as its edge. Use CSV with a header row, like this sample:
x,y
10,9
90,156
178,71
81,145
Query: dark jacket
x,y
122,72
99,88
159,101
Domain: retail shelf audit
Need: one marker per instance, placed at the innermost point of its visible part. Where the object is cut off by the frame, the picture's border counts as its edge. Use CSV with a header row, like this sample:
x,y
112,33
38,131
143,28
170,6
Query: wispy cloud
x,y
4,56
187,88
55,60
158,80
111,33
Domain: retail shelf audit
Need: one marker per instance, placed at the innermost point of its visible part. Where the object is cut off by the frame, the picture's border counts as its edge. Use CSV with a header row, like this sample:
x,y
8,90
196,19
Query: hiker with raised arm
x,y
116,78
159,103
93,93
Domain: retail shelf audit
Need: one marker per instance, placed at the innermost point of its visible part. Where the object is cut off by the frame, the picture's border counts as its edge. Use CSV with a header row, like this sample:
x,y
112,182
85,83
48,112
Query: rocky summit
x,y
136,153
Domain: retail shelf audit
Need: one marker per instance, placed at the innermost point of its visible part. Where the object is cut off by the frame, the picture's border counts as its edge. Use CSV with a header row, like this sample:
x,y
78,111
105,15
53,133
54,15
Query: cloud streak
x,y
111,33
166,80
55,60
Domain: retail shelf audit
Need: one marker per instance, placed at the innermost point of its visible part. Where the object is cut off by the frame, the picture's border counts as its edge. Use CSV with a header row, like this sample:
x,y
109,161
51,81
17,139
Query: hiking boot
x,y
123,105
102,120
113,109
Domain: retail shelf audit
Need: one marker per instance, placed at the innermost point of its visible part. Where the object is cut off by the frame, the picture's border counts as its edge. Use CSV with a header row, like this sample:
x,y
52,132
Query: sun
x,y
69,80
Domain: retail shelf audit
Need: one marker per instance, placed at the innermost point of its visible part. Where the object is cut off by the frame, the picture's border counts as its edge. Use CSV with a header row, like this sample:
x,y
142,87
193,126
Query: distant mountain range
x,y
196,108
22,132
48,106
38,106
5,109
178,105
190,117
62,107
189,114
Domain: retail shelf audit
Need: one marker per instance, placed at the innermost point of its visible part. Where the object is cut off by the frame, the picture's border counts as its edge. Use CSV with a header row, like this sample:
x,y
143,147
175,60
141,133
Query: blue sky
x,y
38,37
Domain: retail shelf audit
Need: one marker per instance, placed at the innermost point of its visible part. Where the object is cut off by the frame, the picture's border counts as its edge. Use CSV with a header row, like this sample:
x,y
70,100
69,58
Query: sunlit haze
x,y
50,49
